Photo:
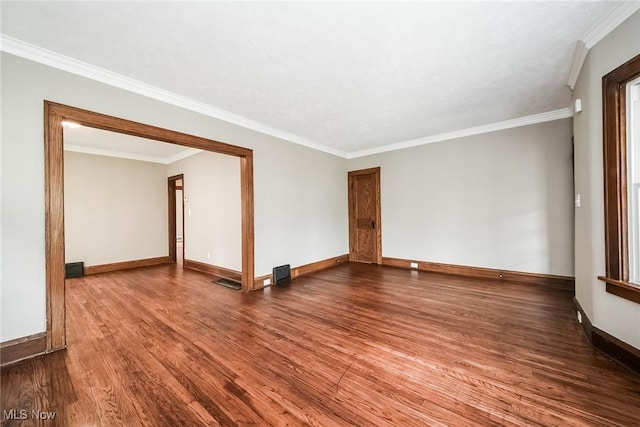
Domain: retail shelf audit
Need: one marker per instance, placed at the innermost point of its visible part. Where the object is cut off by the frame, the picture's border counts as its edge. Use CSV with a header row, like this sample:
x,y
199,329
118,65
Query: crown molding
x,y
43,56
182,155
130,156
609,22
577,63
563,113
600,30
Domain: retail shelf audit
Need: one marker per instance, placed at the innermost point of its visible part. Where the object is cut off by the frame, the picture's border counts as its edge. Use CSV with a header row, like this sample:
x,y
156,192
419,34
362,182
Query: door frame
x,y
54,115
352,219
172,188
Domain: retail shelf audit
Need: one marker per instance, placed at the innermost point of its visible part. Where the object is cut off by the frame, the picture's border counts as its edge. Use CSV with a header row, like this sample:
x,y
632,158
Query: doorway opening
x,y
54,116
176,218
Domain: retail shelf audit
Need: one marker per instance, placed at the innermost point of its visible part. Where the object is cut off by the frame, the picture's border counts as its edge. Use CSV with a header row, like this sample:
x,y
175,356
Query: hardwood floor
x,y
354,345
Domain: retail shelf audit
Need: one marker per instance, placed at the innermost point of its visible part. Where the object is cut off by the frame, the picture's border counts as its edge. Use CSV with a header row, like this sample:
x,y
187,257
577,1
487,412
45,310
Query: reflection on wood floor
x,y
354,345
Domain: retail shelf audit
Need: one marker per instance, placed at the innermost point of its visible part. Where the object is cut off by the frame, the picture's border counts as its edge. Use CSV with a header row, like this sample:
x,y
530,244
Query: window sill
x,y
622,289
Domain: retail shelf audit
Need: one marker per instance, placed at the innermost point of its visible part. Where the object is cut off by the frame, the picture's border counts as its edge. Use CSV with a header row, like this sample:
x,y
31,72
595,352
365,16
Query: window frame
x,y
633,171
616,226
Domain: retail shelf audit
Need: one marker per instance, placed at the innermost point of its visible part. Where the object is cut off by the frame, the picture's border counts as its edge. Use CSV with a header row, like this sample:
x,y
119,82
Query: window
x,y
621,169
633,178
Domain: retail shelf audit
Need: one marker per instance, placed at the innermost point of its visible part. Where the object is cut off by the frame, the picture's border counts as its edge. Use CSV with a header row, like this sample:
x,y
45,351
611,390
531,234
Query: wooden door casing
x,y
365,241
172,217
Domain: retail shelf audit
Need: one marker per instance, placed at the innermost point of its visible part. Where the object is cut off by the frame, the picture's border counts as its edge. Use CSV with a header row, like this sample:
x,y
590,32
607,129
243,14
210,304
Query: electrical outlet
x,y
208,255
414,265
266,282
579,317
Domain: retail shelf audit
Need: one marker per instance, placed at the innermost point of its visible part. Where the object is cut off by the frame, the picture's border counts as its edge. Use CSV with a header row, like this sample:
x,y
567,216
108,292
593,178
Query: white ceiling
x,y
105,143
349,78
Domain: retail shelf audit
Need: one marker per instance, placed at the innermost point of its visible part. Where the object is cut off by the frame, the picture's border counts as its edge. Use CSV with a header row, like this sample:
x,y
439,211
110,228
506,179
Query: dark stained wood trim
x,y
624,290
54,227
259,281
365,171
172,219
378,218
212,269
378,203
617,350
248,237
124,265
54,115
306,269
22,348
563,282
614,130
129,127
318,265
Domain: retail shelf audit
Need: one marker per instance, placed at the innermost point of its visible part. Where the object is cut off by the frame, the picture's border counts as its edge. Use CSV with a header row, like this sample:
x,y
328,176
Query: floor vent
x,y
229,283
73,269
281,274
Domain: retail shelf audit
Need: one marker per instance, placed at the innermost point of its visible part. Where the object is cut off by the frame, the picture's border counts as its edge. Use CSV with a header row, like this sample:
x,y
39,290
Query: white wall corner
x,y
596,33
576,66
609,22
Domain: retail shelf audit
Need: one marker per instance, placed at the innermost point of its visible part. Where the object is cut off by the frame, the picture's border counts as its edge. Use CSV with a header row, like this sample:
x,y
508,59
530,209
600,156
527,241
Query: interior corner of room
x,y
107,179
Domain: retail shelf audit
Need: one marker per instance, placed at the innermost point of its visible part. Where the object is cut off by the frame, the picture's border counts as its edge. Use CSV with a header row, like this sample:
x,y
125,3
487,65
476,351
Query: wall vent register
x,y
282,274
74,269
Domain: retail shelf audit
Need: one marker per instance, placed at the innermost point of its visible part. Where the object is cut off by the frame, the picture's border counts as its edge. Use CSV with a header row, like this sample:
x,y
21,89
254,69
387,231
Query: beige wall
x,y
616,316
499,200
115,209
300,194
213,232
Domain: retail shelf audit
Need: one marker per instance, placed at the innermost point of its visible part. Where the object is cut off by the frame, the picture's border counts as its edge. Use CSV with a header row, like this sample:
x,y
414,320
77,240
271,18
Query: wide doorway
x,y
55,115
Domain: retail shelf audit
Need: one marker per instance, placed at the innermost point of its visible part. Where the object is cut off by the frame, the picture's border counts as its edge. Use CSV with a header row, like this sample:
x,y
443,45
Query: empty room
x,y
320,213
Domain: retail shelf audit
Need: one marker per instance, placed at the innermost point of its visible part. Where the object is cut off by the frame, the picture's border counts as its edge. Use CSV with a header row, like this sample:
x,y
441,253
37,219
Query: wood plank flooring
x,y
354,345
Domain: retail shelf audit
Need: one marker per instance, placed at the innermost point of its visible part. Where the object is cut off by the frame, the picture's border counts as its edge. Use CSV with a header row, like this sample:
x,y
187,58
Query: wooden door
x,y
365,237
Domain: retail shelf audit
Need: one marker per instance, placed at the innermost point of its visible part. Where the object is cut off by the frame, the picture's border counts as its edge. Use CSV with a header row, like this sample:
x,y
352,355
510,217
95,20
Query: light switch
x,y
577,202
577,106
